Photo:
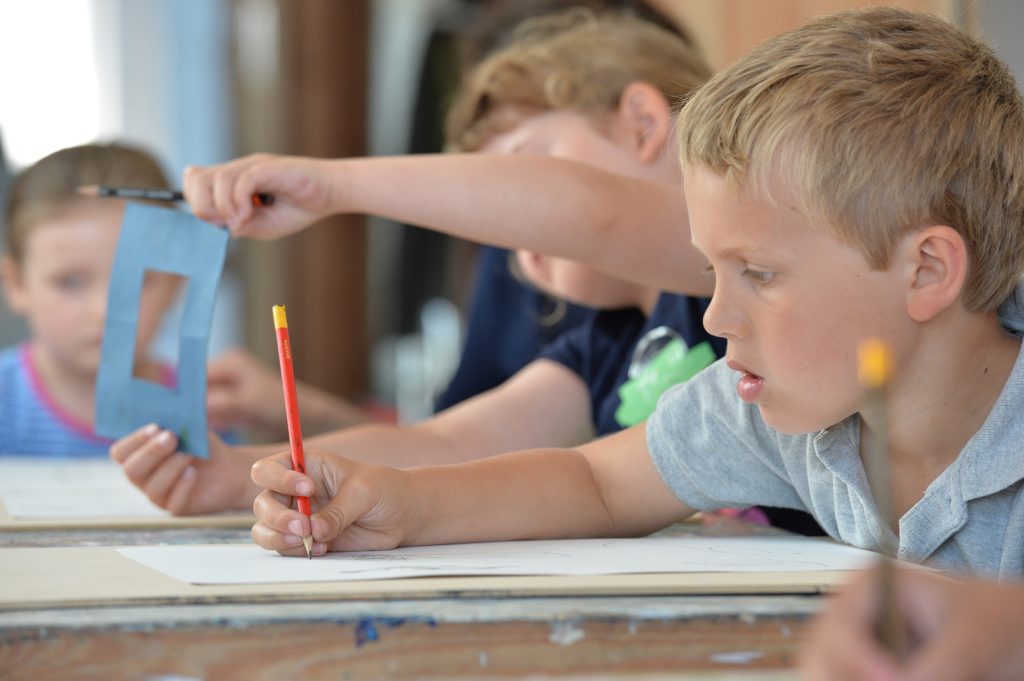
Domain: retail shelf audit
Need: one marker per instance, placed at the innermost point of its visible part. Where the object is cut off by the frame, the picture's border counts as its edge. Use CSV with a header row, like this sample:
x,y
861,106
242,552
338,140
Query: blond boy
x,y
859,176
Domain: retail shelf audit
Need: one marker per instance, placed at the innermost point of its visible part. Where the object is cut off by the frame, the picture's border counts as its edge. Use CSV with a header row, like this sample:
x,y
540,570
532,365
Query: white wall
x,y
1001,25
161,76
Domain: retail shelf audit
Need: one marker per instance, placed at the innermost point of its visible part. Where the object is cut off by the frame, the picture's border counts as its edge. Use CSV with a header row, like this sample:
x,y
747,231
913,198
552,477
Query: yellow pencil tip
x,y
280,318
874,362
308,543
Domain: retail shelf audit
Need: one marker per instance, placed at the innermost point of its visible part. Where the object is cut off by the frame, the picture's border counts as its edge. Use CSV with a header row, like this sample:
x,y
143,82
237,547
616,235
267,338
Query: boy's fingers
x,y
841,644
285,543
244,189
938,665
329,522
349,505
957,654
123,448
199,193
221,407
177,500
853,659
222,196
229,366
141,463
161,480
275,474
273,511
217,374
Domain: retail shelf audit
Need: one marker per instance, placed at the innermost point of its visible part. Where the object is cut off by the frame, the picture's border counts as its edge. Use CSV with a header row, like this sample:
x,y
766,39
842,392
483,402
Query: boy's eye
x,y
71,282
758,276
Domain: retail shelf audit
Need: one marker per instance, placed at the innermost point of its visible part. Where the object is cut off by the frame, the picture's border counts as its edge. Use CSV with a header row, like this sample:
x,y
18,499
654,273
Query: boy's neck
x,y
647,299
71,391
943,398
74,391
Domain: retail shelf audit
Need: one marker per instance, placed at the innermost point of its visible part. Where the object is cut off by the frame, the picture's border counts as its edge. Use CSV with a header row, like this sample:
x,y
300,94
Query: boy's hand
x,y
183,484
242,391
355,506
961,630
302,188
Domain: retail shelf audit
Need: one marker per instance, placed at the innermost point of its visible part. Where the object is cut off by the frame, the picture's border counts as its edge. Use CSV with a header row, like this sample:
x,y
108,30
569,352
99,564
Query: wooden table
x,y
599,637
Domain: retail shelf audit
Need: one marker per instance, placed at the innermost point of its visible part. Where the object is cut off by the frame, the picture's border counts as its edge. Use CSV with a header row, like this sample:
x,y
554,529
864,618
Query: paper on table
x,y
248,564
31,487
178,243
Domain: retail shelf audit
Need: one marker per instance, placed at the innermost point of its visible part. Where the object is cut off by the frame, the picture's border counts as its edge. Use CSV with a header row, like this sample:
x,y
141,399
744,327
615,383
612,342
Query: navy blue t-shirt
x,y
507,328
600,351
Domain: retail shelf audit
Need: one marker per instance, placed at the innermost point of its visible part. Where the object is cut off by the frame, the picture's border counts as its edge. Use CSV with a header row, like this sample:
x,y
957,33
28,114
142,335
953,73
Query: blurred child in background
x,y
56,270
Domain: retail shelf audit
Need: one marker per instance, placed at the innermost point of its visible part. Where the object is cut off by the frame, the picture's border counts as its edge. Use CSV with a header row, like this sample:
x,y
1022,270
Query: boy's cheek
x,y
12,283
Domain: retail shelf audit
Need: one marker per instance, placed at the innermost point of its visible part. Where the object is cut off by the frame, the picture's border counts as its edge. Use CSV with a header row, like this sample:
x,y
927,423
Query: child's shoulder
x,y
15,379
12,391
12,362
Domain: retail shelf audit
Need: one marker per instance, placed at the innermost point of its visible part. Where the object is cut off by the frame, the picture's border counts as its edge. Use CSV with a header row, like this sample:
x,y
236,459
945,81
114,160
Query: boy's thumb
x,y
331,520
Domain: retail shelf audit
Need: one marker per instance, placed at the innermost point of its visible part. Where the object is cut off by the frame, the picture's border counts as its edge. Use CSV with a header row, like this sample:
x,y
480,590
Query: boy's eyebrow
x,y
742,249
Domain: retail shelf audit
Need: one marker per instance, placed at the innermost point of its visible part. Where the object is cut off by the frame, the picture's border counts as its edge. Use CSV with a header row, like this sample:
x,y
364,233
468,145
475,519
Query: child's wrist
x,y
420,509
338,182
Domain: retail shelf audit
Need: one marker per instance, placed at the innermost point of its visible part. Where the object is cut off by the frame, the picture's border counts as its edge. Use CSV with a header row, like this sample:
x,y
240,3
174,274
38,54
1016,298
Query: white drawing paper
x,y
37,488
249,564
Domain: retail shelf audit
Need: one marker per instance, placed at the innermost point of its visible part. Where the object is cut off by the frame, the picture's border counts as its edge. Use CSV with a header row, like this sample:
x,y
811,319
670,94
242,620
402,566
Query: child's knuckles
x,y
334,521
265,536
137,476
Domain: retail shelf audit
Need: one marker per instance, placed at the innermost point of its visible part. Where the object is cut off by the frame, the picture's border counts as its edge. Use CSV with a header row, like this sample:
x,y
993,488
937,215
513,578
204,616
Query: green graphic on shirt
x,y
673,365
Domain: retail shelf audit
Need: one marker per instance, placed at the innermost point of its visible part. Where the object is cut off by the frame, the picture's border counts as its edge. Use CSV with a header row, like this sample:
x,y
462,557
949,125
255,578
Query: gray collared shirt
x,y
714,451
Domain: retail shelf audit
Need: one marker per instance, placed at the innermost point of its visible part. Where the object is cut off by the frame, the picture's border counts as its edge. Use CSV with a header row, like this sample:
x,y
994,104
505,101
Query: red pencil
x,y
291,406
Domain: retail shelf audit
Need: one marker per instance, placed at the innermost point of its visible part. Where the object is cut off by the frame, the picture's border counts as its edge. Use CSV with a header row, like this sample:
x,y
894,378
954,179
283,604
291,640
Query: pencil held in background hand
x,y
152,194
291,406
875,369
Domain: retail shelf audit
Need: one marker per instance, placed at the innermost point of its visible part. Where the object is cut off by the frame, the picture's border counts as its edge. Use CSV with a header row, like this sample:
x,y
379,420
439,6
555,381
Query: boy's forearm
x,y
539,494
543,204
388,445
323,412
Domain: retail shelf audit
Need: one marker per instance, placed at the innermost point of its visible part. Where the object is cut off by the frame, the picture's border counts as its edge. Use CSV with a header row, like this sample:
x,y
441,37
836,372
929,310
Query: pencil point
x,y
89,190
308,543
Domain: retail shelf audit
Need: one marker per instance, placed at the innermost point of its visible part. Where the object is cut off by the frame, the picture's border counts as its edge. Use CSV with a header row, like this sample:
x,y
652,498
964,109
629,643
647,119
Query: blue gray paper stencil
x,y
163,240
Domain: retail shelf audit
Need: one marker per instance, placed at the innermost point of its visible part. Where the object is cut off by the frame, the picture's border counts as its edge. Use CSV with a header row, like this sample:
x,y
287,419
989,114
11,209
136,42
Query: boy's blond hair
x,y
48,185
576,60
881,121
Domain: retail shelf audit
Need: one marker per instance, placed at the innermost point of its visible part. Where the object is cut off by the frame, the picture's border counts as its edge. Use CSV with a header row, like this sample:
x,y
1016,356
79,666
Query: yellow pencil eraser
x,y
280,320
874,362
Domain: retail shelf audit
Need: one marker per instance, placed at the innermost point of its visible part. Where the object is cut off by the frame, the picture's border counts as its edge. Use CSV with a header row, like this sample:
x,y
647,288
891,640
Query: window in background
x,y
49,92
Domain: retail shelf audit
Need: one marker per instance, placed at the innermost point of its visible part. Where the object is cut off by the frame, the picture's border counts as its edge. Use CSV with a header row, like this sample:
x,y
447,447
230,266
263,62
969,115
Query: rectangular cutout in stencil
x,y
156,314
168,241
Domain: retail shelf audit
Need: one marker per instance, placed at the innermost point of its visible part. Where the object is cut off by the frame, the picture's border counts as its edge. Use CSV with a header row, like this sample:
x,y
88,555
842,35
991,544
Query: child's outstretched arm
x,y
604,489
243,392
544,404
635,229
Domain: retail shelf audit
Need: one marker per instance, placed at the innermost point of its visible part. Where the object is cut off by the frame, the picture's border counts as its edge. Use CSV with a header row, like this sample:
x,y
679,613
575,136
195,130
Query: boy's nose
x,y
98,303
721,318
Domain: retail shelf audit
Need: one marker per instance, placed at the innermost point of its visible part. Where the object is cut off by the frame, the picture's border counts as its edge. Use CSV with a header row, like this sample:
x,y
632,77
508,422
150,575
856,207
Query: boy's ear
x,y
14,291
938,259
647,117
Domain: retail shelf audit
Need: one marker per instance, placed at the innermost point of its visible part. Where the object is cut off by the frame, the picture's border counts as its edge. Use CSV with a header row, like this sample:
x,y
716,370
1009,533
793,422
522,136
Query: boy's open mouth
x,y
749,386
